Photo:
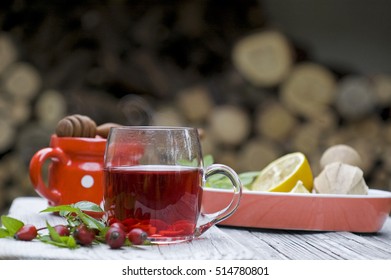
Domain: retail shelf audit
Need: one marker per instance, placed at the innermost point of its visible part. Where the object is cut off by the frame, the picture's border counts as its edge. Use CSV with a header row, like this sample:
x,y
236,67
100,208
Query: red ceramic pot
x,y
75,172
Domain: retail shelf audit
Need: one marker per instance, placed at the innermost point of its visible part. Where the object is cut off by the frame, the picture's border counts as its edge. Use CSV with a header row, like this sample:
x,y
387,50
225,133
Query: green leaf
x,y
64,243
60,208
104,231
88,206
71,242
90,221
4,233
127,243
185,162
73,221
11,224
247,178
217,177
208,160
220,181
53,233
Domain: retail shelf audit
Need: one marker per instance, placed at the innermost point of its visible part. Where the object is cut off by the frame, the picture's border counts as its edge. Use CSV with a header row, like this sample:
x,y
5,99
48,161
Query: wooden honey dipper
x,y
82,126
76,126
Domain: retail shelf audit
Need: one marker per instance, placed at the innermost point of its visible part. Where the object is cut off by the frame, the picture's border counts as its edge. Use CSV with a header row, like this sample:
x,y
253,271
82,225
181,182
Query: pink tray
x,y
315,212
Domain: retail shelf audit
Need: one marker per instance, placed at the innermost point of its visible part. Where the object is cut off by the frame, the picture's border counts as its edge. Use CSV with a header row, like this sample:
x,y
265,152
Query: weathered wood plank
x,y
303,245
217,243
214,244
382,239
273,244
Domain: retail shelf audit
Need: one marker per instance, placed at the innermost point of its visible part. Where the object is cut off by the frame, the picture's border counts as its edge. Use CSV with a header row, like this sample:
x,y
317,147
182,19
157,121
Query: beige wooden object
x,y
7,135
274,121
355,98
309,89
168,116
50,108
264,58
306,138
382,87
229,124
257,154
195,103
22,81
20,112
8,52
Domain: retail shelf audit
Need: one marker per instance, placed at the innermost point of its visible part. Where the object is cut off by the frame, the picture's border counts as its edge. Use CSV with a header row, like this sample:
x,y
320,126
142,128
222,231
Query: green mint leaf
x,y
11,224
90,221
247,178
217,177
220,181
64,243
71,242
128,243
208,160
101,237
59,241
60,208
53,233
4,233
185,162
73,221
88,206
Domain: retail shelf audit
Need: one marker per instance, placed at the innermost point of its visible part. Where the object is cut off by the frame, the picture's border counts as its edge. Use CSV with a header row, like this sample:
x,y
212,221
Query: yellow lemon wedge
x,y
299,188
283,174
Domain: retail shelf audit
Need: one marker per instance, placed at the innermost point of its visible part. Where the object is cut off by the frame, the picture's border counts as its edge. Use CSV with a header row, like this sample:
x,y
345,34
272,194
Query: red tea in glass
x,y
161,199
157,187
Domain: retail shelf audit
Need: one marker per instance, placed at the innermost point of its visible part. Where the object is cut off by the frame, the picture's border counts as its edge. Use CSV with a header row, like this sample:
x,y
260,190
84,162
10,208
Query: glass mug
x,y
158,185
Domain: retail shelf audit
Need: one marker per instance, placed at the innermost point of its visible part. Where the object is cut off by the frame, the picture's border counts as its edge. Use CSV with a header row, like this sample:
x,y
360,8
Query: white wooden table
x,y
217,243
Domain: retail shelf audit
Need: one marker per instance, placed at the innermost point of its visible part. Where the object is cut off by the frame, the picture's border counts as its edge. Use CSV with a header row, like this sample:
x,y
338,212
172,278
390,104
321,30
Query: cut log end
x,y
309,89
229,125
8,52
355,98
22,81
264,58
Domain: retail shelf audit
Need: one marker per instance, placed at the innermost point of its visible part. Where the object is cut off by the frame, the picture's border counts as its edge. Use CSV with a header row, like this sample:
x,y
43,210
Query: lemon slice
x,y
283,174
299,188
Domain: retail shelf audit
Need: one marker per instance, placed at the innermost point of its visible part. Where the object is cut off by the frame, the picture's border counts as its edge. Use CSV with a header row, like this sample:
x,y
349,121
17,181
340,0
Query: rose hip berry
x,y
119,225
115,237
62,230
84,235
137,236
26,233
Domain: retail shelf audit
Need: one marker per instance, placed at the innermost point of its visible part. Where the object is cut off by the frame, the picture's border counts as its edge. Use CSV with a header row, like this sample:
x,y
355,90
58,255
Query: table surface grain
x,y
217,243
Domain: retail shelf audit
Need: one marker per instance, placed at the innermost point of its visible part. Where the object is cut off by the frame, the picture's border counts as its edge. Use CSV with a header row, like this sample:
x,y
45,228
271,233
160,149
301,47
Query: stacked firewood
x,y
216,65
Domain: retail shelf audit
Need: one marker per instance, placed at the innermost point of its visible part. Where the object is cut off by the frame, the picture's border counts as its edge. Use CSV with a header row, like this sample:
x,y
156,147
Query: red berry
x,y
112,221
115,237
119,225
26,233
137,236
83,235
62,230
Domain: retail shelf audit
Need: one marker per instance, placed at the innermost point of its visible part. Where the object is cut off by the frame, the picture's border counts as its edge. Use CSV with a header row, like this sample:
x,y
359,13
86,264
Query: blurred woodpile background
x,y
215,65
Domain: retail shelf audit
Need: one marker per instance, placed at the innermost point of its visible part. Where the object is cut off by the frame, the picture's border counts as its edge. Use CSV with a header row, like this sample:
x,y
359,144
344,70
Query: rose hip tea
x,y
163,200
157,186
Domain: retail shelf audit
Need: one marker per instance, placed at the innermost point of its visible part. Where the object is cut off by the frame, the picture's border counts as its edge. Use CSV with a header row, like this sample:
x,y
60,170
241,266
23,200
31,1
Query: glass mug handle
x,y
216,217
